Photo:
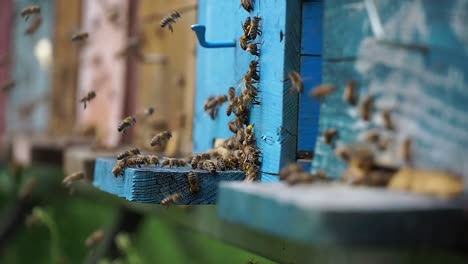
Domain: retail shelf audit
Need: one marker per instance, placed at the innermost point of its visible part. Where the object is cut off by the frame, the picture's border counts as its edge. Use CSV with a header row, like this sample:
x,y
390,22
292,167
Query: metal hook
x,y
200,32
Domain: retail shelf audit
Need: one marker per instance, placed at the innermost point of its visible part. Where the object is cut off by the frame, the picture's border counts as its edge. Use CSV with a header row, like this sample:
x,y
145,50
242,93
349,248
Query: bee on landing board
x,y
210,166
171,199
87,98
128,153
67,181
169,20
127,123
119,168
161,139
297,84
171,162
193,181
254,29
248,5
80,37
30,10
152,159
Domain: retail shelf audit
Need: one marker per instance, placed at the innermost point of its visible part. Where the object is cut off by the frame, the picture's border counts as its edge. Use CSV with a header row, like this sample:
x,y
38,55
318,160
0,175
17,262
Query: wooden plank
x,y
430,23
158,81
32,56
100,69
312,28
354,217
5,57
152,184
64,73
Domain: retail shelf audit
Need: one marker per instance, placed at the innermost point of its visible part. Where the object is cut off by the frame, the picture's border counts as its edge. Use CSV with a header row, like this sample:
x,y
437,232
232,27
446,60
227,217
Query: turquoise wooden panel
x,y
5,49
426,91
430,23
32,77
152,184
217,69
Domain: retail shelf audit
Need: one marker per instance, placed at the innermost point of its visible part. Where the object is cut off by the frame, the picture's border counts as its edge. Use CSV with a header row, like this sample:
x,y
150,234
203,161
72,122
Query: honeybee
x,y
67,181
193,181
128,122
243,42
128,153
221,164
213,104
296,81
329,135
169,20
7,86
387,119
30,10
255,28
253,48
95,238
171,162
119,168
248,5
148,111
252,173
343,153
350,92
87,98
367,107
135,161
34,26
246,26
372,137
322,90
152,159
290,169
209,166
161,139
171,199
407,150
253,70
233,126
80,36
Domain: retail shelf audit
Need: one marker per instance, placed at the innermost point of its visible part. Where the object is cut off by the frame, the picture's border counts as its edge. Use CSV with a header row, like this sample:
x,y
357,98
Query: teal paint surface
x,y
32,79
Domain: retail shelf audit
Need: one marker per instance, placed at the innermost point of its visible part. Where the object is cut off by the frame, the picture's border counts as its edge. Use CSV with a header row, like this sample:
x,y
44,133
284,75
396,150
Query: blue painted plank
x,y
309,109
276,118
32,77
152,184
312,28
356,217
431,23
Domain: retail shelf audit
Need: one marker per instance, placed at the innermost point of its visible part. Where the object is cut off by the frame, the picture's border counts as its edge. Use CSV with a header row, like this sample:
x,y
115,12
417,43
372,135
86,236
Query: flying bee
x,y
213,104
193,182
255,28
329,135
243,42
169,20
246,26
67,181
253,48
7,86
87,98
95,238
290,169
128,153
148,111
296,81
119,168
350,95
152,159
161,139
80,36
367,107
322,91
209,166
248,5
34,26
387,119
407,150
30,10
171,199
128,122
172,162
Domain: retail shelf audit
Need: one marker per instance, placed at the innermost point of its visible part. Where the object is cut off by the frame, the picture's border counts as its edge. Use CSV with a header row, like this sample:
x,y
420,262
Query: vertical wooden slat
x,y
101,71
64,74
5,56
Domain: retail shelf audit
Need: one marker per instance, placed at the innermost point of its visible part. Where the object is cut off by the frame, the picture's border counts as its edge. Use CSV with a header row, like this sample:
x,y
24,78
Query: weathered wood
x,y
101,70
32,56
64,73
152,184
326,215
